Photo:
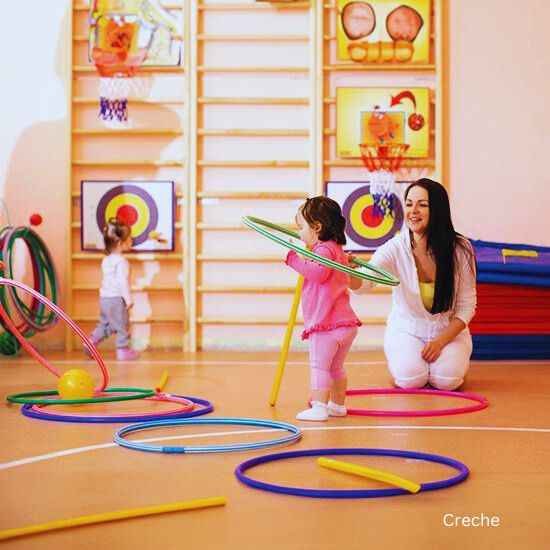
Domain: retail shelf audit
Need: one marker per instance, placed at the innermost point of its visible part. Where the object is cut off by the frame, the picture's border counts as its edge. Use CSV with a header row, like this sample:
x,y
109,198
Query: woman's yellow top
x,y
427,294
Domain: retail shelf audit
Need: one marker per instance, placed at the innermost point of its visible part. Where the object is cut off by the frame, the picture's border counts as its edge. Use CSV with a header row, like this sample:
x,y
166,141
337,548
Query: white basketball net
x,y
113,99
382,162
383,191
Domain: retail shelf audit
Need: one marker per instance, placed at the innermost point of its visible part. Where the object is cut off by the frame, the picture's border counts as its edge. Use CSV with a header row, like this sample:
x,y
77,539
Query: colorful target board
x,y
366,228
148,207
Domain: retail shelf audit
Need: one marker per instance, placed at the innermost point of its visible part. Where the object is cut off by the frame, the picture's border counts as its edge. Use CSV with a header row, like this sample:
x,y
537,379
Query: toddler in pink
x,y
330,323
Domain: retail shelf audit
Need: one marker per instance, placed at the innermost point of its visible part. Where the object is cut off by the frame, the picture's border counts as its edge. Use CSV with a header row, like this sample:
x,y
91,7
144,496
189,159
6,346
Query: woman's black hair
x,y
328,214
115,232
441,242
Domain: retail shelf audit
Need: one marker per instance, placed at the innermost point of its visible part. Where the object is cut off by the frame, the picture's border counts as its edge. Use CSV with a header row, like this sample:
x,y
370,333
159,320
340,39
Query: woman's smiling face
x,y
417,210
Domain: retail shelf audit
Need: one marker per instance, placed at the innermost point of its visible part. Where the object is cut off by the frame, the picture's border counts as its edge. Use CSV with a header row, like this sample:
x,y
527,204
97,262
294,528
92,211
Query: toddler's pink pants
x,y
327,353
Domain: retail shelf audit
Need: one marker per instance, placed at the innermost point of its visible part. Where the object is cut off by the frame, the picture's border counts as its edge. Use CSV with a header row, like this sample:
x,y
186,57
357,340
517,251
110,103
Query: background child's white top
x,y
116,278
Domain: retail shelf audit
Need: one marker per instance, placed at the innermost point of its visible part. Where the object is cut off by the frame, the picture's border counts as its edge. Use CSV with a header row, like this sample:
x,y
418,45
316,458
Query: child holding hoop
x,y
330,323
115,299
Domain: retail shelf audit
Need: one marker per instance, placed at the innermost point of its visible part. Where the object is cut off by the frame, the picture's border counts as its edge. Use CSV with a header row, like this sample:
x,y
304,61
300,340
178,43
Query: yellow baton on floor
x,y
112,516
371,473
162,382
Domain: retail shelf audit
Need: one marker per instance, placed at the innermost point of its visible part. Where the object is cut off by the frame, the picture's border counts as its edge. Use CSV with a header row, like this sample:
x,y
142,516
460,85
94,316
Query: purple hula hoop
x,y
32,411
480,402
463,473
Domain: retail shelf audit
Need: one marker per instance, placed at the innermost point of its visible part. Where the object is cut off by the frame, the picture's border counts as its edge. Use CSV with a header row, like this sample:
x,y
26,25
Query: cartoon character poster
x,y
384,31
383,116
147,207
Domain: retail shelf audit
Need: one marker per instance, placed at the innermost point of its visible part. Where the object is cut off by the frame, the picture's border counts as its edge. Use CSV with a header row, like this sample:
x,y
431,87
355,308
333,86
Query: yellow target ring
x,y
138,203
359,226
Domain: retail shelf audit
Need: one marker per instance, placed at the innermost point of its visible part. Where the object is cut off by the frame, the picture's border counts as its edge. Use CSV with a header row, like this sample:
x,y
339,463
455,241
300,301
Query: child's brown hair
x,y
328,214
115,232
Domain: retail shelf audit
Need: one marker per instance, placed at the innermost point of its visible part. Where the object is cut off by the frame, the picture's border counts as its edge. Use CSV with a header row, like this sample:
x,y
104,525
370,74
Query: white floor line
x,y
77,450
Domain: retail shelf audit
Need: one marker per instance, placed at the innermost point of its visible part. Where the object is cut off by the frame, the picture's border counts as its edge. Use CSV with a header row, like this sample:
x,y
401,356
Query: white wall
x,y
500,119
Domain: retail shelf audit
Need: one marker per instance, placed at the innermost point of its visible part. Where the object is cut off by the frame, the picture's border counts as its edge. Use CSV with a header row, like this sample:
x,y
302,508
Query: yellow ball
x,y
75,384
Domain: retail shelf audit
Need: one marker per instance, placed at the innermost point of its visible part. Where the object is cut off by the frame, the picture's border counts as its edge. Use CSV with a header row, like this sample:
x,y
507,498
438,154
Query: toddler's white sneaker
x,y
317,413
336,410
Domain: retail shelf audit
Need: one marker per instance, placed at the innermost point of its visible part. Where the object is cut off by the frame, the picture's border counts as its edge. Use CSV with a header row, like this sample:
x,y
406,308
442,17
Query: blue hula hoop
x,y
295,434
31,412
463,472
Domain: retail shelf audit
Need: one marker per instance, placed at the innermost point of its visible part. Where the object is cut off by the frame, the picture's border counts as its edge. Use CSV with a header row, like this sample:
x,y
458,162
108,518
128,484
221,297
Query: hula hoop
x,y
35,397
462,469
31,317
60,313
295,434
381,276
42,264
187,411
481,402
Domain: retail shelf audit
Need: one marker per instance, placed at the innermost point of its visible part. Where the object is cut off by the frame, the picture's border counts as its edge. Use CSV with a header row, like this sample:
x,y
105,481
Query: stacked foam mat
x,y
513,309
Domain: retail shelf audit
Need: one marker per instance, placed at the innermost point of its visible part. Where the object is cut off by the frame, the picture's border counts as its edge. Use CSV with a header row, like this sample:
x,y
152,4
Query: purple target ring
x,y
361,239
480,402
122,189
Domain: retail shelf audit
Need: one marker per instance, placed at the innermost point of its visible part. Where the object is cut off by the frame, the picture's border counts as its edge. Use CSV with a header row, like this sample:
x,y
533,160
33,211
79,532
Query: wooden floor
x,y
507,448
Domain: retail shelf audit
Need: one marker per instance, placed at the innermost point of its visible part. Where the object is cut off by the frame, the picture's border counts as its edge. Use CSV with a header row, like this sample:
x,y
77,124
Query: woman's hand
x,y
432,350
355,283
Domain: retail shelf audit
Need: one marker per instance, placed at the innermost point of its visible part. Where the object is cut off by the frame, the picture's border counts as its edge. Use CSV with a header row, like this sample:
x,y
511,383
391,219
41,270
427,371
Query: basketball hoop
x,y
382,161
123,36
120,46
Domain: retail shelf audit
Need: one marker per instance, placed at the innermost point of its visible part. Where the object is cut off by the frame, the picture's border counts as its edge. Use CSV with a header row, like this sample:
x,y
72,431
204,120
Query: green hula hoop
x,y
365,271
34,398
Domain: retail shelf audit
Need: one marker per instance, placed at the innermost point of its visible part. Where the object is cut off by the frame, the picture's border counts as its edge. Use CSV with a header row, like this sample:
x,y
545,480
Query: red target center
x,y
370,217
127,214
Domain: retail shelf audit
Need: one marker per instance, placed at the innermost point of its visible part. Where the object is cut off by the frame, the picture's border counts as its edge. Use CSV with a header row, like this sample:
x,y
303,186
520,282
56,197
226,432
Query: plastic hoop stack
x,y
34,317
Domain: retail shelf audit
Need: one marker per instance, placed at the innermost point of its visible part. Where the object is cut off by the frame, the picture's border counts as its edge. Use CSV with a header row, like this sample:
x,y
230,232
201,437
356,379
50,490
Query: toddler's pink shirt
x,y
325,297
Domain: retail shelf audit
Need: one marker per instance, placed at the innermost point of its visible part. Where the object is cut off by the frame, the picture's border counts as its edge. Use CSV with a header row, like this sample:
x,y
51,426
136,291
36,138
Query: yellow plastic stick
x,y
371,473
522,253
162,382
112,516
286,342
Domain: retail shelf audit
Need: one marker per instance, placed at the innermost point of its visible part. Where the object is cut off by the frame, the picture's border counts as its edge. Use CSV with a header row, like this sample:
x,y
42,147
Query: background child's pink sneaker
x,y
126,354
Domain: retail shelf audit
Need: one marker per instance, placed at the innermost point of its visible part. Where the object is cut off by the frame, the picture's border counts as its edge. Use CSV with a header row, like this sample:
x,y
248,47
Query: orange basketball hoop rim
x,y
386,157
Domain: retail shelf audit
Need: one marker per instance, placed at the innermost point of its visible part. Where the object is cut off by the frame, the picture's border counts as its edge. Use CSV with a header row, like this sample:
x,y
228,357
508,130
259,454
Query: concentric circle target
x,y
367,227
134,206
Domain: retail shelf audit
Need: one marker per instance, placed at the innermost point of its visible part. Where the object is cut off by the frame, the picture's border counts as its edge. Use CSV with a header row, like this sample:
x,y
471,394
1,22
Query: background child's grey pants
x,y
113,319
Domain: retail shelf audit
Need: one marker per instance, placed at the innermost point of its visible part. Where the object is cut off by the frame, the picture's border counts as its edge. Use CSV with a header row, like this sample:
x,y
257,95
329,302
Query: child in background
x,y
330,323
114,295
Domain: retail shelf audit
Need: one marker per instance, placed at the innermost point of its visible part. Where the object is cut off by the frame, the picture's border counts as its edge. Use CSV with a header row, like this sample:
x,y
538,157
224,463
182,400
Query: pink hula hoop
x,y
60,313
480,402
183,405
